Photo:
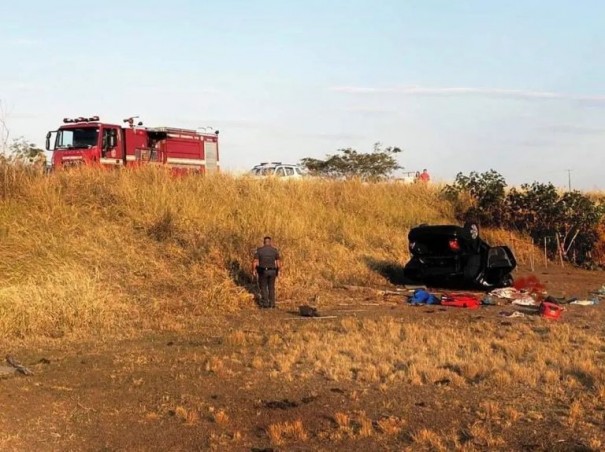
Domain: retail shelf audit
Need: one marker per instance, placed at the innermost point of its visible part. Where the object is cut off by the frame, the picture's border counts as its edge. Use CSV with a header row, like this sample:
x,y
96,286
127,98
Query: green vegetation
x,y
351,164
567,223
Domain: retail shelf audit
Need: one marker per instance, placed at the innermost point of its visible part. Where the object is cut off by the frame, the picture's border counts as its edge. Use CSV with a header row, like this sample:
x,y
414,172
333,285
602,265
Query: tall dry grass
x,y
92,250
459,354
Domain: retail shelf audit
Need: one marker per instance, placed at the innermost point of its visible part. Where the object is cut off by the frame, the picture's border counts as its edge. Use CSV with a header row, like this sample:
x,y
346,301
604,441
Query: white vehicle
x,y
279,169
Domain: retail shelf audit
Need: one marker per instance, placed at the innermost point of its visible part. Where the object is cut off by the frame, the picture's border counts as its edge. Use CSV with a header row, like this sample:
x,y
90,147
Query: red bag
x,y
460,300
550,310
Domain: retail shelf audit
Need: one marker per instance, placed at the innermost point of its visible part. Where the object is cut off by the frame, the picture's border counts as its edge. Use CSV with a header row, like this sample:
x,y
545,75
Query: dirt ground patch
x,y
375,374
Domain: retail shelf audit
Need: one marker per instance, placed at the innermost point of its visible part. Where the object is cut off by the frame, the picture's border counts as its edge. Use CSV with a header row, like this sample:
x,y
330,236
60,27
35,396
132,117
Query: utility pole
x,y
569,178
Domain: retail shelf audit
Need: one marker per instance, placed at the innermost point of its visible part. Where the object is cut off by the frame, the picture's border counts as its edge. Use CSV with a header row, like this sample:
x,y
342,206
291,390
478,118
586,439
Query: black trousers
x,y
266,281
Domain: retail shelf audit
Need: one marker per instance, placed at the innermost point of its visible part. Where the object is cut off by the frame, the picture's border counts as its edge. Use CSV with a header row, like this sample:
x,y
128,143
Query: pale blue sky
x,y
517,86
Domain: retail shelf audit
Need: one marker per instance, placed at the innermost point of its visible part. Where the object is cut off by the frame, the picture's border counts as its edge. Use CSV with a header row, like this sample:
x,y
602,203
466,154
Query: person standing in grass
x,y
266,265
424,177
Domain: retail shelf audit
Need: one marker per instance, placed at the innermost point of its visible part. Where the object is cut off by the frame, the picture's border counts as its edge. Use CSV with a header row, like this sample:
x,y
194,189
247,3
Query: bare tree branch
x,y
4,130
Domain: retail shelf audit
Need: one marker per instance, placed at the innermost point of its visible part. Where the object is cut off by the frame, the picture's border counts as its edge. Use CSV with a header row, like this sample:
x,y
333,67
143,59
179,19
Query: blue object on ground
x,y
421,296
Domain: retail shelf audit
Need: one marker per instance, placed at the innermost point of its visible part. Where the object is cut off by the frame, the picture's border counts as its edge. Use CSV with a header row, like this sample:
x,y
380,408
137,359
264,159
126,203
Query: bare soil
x,y
219,385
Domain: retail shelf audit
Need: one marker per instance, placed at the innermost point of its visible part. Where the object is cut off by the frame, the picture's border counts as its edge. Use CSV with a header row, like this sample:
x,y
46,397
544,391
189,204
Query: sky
x,y
468,85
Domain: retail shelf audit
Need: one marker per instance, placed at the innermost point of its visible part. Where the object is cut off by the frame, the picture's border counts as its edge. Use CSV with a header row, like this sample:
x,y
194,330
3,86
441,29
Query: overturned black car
x,y
446,255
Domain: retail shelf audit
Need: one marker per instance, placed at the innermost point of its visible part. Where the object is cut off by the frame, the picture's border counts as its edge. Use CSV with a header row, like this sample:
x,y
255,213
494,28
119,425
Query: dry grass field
x,y
129,296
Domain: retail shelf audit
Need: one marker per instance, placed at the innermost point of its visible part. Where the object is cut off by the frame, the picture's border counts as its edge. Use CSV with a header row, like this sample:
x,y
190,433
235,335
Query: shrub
x,y
568,222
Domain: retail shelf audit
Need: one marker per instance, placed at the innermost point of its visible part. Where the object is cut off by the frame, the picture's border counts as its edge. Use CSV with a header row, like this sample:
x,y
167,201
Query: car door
x,y
111,146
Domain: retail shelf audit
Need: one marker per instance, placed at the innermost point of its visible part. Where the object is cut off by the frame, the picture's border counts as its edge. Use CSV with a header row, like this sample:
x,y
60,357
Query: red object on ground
x,y
550,310
529,283
460,300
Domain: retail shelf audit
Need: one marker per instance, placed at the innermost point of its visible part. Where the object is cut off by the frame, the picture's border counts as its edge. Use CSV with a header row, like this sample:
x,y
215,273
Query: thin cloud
x,y
332,136
174,90
238,123
21,42
572,129
371,111
470,91
10,85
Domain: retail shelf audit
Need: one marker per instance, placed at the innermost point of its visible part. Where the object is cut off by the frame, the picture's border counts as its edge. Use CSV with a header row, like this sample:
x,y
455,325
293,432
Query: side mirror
x,y
48,141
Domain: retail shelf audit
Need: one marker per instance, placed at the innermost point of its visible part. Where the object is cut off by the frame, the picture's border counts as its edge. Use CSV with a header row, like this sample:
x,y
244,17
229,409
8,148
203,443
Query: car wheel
x,y
472,228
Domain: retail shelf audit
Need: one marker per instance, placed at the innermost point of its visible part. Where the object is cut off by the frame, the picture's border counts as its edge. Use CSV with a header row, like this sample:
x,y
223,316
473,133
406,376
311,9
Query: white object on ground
x,y
512,315
583,302
525,301
506,292
516,314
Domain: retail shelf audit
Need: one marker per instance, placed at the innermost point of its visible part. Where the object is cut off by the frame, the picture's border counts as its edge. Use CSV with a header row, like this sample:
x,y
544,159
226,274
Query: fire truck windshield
x,y
85,137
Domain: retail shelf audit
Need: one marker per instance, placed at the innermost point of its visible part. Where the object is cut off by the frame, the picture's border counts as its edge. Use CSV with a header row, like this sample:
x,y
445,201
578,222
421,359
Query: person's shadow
x,y
244,279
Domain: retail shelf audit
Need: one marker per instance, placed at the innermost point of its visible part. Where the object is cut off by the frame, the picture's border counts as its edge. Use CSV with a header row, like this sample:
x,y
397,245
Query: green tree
x,y
349,163
488,195
22,151
567,221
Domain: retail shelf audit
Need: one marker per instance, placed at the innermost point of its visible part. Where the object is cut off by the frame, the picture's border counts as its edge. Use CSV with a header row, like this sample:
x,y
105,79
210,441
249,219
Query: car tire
x,y
472,228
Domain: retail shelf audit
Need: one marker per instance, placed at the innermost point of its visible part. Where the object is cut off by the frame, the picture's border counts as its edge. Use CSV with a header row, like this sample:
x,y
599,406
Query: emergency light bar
x,y
80,119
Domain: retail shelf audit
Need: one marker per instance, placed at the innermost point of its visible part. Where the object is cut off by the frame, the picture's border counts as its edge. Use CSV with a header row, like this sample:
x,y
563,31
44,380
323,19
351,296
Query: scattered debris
x,y
512,315
309,318
585,302
550,310
17,365
525,300
460,300
398,291
283,404
308,311
559,300
508,293
489,300
422,296
412,287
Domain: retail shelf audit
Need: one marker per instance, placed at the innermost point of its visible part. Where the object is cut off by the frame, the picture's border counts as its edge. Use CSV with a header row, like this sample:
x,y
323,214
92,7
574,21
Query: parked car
x,y
447,254
279,169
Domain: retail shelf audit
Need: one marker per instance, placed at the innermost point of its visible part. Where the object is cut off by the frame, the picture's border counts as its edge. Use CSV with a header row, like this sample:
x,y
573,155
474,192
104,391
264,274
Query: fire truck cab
x,y
86,141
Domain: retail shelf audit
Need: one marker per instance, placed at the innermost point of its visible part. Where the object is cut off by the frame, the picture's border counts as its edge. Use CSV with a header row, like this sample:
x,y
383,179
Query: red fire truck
x,y
89,141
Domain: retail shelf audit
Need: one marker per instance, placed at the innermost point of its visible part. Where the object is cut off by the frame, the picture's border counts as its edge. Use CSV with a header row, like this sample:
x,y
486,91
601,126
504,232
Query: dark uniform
x,y
267,269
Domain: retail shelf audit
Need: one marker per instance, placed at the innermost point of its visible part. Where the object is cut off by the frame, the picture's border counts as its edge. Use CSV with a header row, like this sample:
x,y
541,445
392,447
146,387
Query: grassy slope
x,y
98,251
